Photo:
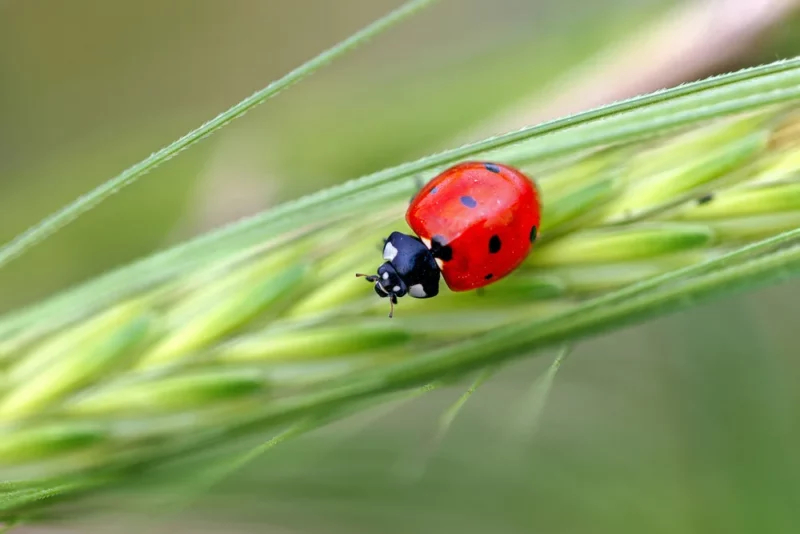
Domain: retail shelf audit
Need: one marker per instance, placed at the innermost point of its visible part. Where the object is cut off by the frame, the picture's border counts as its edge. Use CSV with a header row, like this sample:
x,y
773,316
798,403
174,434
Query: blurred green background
x,y
687,424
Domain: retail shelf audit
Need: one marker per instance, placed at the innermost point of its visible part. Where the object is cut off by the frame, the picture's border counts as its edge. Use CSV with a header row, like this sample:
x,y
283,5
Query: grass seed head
x,y
277,329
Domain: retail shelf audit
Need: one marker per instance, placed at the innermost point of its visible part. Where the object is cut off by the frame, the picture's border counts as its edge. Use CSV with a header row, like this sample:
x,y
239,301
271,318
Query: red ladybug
x,y
476,223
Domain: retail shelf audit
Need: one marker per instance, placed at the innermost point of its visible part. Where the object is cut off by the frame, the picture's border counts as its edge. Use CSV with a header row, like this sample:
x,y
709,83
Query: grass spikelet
x,y
222,306
670,199
619,245
49,441
188,391
315,343
75,358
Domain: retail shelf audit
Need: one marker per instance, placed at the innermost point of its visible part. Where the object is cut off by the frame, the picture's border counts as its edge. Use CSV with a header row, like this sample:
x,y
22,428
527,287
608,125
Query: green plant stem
x,y
61,218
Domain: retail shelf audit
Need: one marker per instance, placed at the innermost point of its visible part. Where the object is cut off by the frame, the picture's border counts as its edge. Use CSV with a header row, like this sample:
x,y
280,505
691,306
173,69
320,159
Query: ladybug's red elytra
x,y
475,223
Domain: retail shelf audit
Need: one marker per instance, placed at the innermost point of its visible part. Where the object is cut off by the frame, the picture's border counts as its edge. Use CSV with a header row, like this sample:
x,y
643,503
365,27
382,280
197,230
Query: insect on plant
x,y
476,222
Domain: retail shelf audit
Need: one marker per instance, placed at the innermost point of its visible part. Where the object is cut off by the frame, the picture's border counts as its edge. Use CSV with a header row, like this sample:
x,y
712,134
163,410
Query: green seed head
x,y
263,324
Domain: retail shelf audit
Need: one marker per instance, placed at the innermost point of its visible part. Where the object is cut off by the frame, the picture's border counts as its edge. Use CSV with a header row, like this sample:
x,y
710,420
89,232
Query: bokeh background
x,y
686,424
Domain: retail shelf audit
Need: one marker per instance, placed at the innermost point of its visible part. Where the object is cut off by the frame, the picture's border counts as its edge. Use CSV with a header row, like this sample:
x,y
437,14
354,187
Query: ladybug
x,y
476,223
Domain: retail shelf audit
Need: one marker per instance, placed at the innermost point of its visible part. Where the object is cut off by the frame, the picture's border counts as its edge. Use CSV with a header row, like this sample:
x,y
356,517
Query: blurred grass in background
x,y
687,424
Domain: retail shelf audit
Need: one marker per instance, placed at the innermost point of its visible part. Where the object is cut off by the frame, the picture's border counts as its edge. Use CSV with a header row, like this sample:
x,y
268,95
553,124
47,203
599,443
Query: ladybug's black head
x,y
409,269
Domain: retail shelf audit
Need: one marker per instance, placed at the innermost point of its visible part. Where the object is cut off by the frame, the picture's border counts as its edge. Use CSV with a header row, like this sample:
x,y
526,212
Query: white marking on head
x,y
396,289
389,252
425,241
417,291
385,276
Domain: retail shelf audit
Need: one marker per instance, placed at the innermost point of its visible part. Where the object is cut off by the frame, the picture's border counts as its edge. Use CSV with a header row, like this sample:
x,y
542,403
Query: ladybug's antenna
x,y
392,302
369,277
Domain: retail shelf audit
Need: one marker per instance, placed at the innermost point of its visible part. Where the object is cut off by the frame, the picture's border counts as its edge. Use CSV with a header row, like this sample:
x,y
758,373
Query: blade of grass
x,y
61,218
15,500
447,418
417,470
770,84
413,469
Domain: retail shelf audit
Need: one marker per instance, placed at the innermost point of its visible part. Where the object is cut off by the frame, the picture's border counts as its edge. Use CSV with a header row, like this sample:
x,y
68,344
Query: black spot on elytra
x,y
434,189
534,232
495,244
488,276
468,201
440,249
492,167
705,199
